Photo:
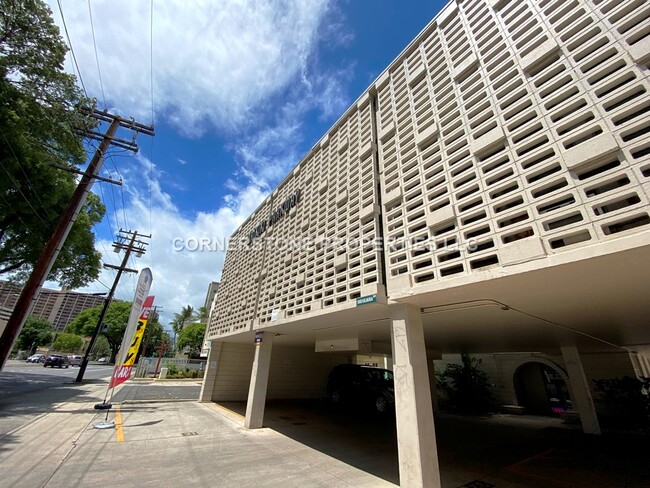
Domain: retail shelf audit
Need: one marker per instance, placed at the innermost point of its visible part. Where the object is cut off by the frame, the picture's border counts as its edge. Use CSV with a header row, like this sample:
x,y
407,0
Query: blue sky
x,y
241,90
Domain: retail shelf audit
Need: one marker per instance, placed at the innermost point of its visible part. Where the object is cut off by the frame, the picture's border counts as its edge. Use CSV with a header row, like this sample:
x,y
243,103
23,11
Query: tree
x,y
202,314
191,337
154,335
180,319
42,113
117,317
36,332
66,342
466,385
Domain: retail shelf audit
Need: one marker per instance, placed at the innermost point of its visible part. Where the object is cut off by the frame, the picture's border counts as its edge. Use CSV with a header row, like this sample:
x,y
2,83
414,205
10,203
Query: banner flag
x,y
137,322
123,373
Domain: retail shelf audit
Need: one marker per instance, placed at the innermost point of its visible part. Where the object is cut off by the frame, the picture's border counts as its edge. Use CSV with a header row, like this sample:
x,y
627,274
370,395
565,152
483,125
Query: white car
x,y
102,360
36,358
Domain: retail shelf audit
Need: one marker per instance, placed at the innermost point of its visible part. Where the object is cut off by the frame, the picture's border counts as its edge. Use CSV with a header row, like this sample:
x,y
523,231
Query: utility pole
x,y
128,242
55,243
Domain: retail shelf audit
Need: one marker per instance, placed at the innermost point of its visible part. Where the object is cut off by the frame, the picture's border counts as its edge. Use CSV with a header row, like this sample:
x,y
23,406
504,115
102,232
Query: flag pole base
x,y
103,406
104,425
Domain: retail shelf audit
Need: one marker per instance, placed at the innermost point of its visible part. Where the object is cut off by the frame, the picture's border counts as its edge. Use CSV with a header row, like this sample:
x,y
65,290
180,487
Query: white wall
x,y
300,373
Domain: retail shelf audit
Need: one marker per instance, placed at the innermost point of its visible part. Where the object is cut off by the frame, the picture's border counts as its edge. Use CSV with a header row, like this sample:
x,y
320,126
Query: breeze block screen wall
x,y
511,130
507,132
300,252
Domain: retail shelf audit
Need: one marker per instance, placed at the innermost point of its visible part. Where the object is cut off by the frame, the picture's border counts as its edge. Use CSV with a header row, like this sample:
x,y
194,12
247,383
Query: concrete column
x,y
580,389
259,381
416,437
210,374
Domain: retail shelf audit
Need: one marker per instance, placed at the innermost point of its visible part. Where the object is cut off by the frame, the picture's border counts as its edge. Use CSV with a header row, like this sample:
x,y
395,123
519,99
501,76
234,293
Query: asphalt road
x,y
19,377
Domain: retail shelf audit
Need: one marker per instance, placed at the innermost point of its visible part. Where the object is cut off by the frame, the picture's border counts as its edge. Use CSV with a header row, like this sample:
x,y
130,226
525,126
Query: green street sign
x,y
367,299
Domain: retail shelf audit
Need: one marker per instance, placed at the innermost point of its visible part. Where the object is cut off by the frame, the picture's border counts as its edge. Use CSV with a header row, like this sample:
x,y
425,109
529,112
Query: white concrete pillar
x,y
416,437
580,389
259,381
210,373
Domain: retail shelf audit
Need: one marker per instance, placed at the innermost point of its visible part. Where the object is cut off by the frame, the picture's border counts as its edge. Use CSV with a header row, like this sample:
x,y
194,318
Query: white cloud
x,y
269,153
214,62
180,278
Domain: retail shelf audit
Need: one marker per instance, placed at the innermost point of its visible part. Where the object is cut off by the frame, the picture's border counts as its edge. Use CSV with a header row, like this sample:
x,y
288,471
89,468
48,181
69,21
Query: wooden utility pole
x,y
128,242
55,243
161,351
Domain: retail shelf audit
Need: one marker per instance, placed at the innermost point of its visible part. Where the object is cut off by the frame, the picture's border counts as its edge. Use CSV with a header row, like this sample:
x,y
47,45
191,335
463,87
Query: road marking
x,y
119,433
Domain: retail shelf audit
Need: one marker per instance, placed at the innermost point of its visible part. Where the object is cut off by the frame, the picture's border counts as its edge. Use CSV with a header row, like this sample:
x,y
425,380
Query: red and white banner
x,y
134,330
123,372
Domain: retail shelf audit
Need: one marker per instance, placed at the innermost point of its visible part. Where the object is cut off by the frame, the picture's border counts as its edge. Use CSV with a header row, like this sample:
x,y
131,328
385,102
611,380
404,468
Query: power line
x,y
74,58
151,60
47,215
23,195
99,72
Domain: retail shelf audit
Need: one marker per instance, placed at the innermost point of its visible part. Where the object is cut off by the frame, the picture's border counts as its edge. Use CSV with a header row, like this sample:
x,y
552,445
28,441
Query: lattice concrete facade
x,y
508,131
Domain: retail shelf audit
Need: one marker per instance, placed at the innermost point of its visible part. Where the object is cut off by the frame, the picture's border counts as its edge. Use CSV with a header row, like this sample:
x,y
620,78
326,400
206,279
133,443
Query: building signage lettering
x,y
275,216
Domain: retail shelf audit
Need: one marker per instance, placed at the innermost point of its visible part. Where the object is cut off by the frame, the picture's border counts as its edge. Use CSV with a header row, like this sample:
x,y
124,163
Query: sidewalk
x,y
49,441
161,444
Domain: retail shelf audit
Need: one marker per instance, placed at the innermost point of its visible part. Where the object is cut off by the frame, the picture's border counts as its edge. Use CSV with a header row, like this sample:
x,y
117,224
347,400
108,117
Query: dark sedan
x,y
56,360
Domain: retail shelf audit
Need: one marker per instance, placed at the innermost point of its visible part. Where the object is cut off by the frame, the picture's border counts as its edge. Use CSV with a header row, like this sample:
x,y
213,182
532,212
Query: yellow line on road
x,y
119,433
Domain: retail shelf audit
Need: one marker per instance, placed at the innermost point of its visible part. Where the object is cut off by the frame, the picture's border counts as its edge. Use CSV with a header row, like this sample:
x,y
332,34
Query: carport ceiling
x,y
605,297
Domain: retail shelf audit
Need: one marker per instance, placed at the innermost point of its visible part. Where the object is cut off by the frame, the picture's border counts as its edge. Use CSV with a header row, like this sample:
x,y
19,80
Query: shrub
x,y
466,386
624,402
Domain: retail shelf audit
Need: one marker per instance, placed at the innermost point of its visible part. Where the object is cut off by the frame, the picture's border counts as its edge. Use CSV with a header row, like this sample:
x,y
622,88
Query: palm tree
x,y
181,319
202,314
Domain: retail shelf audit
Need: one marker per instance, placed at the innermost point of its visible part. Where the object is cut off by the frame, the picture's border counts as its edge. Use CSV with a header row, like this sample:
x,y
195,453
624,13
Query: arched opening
x,y
541,389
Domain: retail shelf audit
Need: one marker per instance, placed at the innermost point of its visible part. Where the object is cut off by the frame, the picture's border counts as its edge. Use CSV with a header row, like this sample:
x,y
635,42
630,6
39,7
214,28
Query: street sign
x,y
367,299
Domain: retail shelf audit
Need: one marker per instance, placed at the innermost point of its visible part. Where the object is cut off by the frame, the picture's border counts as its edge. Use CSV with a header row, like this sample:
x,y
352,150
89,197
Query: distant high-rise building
x,y
59,307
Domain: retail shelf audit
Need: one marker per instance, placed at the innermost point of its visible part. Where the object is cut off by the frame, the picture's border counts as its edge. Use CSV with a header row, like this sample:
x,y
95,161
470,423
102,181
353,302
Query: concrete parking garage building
x,y
487,194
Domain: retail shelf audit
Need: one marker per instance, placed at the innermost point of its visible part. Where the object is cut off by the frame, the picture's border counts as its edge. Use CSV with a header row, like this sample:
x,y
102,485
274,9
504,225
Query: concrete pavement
x,y
161,444
47,440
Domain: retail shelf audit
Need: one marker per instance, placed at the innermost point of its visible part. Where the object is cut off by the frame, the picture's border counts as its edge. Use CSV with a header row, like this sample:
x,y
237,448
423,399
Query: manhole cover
x,y
186,434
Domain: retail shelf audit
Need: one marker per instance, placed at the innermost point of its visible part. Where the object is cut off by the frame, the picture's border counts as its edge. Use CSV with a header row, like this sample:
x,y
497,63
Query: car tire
x,y
336,397
381,404
66,366
45,365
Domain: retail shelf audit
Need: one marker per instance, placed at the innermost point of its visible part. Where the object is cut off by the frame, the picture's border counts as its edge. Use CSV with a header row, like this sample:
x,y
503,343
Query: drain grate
x,y
187,434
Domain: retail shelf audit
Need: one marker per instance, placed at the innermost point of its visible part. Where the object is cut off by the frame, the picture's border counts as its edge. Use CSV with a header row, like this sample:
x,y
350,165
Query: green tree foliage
x,y
36,332
101,349
466,386
154,335
202,314
186,315
624,402
191,337
40,120
117,317
66,342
